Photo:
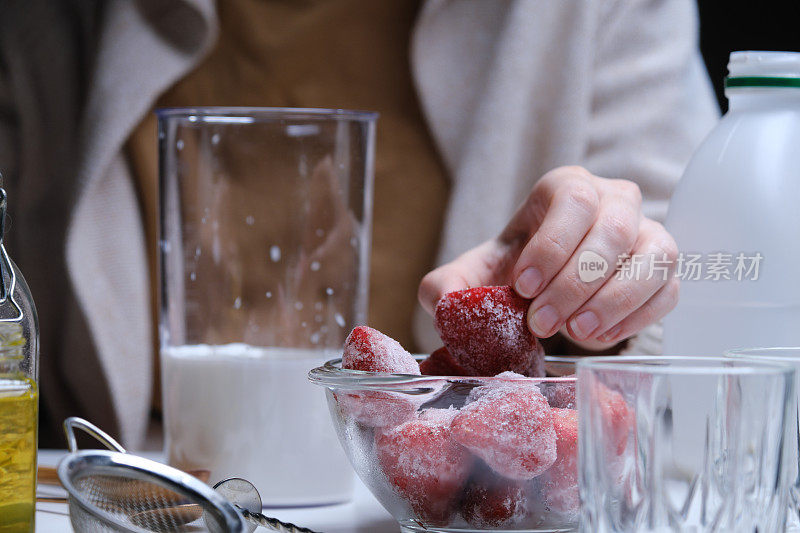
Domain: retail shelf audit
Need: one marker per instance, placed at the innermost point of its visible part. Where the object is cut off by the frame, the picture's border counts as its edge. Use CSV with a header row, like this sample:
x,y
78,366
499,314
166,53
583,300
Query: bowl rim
x,y
331,374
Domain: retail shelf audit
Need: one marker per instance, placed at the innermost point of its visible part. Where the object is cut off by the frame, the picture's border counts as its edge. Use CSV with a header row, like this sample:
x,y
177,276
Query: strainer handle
x,y
73,422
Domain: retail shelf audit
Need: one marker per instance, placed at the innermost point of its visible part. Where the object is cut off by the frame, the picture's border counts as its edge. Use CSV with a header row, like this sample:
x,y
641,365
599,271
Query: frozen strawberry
x,y
560,394
441,363
617,417
375,408
565,422
425,465
502,380
560,482
442,417
491,501
370,350
485,330
511,376
511,428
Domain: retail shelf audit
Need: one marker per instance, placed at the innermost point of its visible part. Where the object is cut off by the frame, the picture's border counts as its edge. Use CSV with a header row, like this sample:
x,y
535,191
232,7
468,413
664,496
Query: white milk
x,y
241,411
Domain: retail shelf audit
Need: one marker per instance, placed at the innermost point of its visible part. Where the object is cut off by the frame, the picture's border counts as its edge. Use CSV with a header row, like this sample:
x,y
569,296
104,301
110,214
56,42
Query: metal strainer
x,y
113,491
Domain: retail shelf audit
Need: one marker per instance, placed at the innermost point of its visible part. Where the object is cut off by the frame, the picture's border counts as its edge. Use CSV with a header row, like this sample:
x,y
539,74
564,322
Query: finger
x,y
529,215
656,308
613,235
651,267
487,264
568,218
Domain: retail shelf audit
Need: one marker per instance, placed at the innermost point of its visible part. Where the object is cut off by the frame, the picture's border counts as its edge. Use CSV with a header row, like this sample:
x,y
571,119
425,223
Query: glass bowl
x,y
460,454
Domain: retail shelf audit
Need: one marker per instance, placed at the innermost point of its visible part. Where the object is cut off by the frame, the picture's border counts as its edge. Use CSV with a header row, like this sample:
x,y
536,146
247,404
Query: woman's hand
x,y
572,216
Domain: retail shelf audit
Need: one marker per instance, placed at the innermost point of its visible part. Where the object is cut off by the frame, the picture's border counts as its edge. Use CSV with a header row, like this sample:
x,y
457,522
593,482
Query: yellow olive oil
x,y
19,404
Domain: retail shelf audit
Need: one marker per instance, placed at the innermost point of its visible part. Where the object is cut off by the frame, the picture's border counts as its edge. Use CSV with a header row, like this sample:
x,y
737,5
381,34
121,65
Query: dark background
x,y
727,26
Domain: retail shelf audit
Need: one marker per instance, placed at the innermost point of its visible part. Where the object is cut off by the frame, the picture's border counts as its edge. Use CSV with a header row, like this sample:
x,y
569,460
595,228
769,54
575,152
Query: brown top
x,y
350,54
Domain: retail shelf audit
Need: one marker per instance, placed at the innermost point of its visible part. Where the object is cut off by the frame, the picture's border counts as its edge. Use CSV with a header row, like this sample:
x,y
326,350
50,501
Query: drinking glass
x,y
647,465
790,356
265,221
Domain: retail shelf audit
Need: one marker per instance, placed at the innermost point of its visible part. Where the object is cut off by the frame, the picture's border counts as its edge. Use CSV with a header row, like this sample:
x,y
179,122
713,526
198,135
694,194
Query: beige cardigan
x,y
510,89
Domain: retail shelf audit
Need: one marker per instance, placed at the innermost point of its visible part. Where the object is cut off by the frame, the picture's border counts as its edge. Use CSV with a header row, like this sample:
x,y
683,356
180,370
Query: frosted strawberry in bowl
x,y
445,448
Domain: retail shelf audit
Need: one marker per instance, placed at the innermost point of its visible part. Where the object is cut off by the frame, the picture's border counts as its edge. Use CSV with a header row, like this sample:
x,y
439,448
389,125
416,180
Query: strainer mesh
x,y
116,503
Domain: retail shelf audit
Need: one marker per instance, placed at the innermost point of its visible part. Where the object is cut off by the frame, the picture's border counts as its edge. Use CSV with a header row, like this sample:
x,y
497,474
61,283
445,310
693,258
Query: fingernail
x,y
584,324
528,282
544,320
611,334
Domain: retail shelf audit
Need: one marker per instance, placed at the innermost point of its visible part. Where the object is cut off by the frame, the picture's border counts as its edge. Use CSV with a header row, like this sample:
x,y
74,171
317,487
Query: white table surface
x,y
362,515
